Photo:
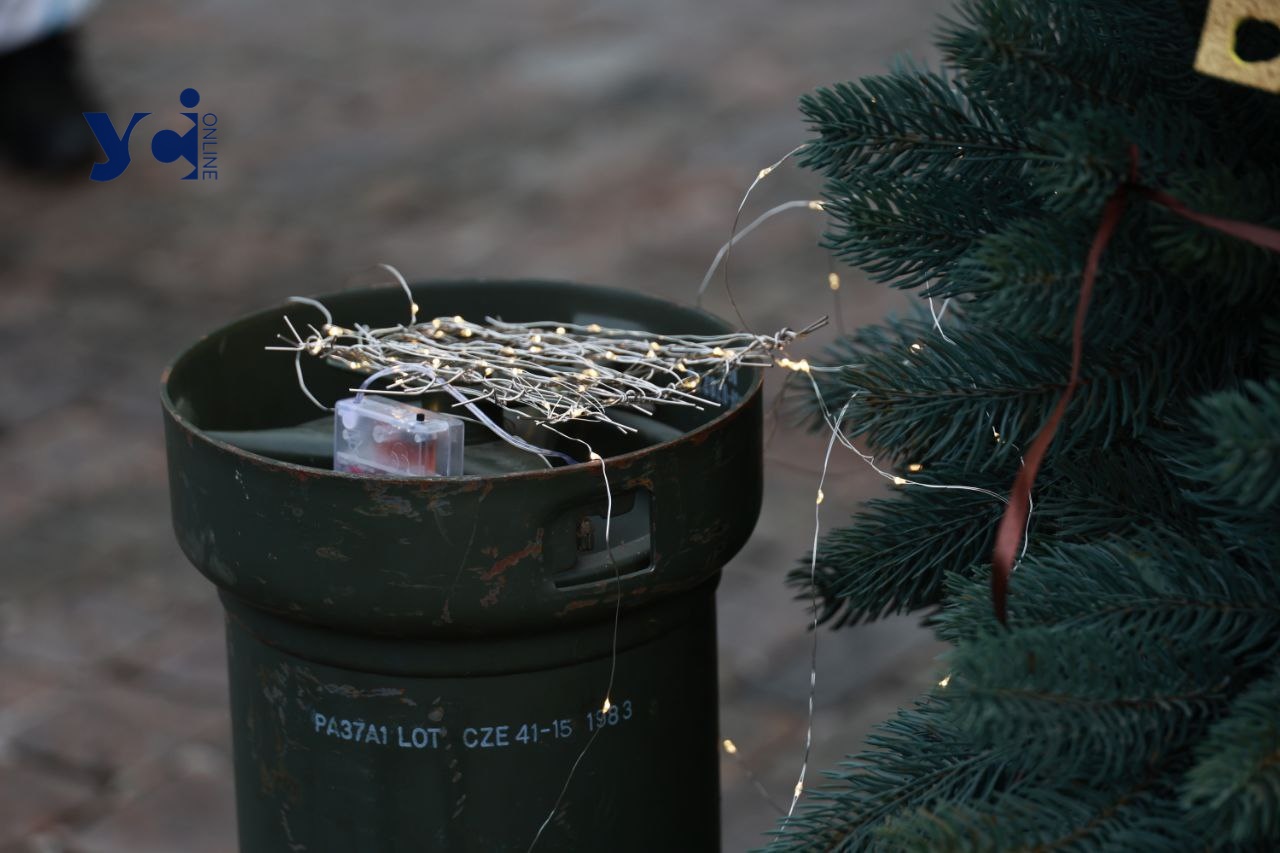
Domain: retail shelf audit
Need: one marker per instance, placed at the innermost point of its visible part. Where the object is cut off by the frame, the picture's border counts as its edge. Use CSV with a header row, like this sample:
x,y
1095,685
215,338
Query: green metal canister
x,y
418,664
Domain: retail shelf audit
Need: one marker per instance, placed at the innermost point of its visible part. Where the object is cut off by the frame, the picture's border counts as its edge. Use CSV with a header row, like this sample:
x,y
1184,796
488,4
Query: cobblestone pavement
x,y
605,142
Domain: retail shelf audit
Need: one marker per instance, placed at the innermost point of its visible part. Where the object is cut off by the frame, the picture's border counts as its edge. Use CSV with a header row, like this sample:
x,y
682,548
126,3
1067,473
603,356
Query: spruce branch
x,y
911,123
1126,489
1038,59
1044,815
1233,790
1237,468
909,233
1151,583
894,556
1088,703
1221,267
975,402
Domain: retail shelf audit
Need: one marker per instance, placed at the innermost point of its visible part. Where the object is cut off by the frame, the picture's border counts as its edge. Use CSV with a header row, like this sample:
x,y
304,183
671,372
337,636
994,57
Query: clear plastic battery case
x,y
381,436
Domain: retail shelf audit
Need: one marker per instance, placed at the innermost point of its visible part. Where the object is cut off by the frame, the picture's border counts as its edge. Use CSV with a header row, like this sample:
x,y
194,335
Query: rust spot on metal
x,y
578,604
533,549
484,486
697,437
491,597
383,502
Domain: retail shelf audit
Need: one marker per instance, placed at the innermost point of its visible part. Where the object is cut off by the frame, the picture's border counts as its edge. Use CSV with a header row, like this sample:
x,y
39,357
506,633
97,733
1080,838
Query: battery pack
x,y
385,437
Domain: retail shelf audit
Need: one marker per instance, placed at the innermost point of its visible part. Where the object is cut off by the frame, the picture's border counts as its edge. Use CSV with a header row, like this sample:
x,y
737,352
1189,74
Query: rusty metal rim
x,y
754,390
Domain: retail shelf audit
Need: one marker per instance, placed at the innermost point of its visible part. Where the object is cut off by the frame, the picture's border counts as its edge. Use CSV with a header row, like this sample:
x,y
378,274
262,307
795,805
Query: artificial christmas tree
x,y
1127,697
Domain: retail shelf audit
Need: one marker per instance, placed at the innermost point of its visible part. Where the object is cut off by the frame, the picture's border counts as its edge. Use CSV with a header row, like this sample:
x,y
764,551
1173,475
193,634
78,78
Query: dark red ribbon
x,y
1013,523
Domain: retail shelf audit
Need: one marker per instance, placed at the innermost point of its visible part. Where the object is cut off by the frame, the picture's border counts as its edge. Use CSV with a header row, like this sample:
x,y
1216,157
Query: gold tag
x,y
1217,54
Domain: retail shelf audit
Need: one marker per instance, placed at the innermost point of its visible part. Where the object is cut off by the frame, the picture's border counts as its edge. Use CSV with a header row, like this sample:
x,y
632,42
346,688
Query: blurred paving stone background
x,y
607,142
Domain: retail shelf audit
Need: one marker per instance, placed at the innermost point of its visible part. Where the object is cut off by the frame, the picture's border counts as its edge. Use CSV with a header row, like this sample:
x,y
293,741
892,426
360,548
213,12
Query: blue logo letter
x,y
169,145
114,145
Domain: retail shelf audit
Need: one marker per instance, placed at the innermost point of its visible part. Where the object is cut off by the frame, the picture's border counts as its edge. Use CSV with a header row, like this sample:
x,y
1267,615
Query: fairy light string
x,y
835,425
837,434
731,749
548,371
737,218
937,314
798,790
798,204
613,650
